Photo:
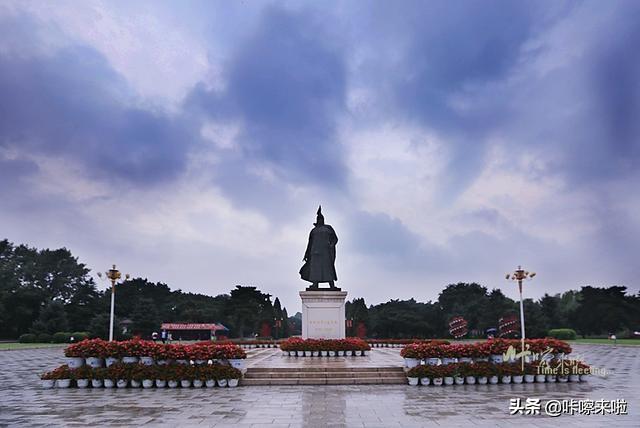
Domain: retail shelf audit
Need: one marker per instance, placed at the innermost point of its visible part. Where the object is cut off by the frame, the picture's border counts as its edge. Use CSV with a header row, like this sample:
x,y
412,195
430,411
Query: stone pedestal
x,y
323,314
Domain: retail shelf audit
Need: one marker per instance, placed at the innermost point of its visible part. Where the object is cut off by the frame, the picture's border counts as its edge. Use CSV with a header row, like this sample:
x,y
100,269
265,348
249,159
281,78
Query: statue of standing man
x,y
320,256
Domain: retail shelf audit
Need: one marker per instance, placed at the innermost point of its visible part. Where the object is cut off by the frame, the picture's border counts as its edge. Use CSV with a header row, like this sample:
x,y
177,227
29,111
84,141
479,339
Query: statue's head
x,y
319,217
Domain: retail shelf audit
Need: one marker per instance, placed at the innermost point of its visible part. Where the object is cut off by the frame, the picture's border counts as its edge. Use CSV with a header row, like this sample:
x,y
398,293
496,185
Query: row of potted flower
x,y
325,347
97,352
399,343
121,375
495,350
487,373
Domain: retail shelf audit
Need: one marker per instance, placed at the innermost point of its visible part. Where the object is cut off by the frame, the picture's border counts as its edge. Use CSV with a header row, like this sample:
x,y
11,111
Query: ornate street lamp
x,y
113,275
520,275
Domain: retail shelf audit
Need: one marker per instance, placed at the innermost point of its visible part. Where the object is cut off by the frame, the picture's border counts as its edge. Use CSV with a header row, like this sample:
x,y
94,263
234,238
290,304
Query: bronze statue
x,y
320,256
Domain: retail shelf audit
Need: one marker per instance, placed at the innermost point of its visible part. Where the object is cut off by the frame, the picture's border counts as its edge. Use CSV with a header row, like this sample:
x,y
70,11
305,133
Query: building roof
x,y
192,326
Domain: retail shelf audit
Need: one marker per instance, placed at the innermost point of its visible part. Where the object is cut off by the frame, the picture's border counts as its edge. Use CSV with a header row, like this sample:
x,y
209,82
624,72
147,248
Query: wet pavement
x,y
24,403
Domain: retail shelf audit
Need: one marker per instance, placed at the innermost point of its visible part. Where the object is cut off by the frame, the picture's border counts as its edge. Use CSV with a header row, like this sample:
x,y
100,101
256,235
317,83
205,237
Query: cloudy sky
x,y
191,142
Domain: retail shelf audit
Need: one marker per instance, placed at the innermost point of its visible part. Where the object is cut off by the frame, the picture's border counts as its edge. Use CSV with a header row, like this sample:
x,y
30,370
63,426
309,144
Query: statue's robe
x,y
320,255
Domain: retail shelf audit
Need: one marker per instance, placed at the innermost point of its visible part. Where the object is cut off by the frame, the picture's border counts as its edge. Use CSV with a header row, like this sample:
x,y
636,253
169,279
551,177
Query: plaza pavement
x,y
24,403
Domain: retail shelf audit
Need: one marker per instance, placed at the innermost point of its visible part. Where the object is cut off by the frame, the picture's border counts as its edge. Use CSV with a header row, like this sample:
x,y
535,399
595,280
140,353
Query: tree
x,y
52,319
466,300
145,318
248,308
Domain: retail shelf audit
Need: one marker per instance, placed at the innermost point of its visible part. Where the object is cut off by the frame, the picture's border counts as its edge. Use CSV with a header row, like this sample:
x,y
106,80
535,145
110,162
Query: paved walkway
x,y
24,403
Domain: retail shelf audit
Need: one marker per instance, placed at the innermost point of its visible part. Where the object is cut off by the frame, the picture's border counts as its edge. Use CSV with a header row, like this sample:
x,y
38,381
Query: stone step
x,y
324,381
327,369
319,375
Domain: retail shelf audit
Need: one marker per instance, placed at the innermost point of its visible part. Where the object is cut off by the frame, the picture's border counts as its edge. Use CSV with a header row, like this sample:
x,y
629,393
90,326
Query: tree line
x,y
48,291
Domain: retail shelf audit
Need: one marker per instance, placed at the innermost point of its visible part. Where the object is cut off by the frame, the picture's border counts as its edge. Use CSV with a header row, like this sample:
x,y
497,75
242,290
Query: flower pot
x,y
147,383
493,380
291,353
48,383
222,383
316,353
110,360
75,362
63,383
183,362
332,353
448,360
109,383
365,353
481,359
94,362
340,353
529,378
161,383
172,383
210,383
540,378
308,353
413,381
411,362
425,381
200,362
563,379
448,380
574,378
496,358
129,360
122,383
136,383
324,353
82,383
147,361
584,378
433,361
482,380
185,383
162,362
470,380
437,381
237,363
465,360
197,383
516,379
505,379
551,378
232,383
459,380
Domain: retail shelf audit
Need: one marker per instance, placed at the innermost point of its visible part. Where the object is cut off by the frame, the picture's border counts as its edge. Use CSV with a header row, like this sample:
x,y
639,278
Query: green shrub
x,y
45,338
79,335
27,338
61,337
563,333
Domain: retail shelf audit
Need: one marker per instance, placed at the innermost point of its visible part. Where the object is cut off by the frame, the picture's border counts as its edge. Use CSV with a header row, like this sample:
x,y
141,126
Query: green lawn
x,y
15,345
635,342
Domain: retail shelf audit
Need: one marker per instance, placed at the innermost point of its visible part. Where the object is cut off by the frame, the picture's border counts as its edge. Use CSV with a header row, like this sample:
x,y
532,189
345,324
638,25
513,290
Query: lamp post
x,y
520,275
113,275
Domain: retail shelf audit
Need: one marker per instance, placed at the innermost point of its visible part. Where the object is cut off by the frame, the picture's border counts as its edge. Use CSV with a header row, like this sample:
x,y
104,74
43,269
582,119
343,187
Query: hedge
x,y
563,333
61,337
44,338
27,338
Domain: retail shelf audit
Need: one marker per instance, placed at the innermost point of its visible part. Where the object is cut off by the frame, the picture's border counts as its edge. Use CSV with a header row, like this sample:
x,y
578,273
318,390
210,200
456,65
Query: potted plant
x,y
465,353
186,373
447,373
467,370
436,375
233,376
458,375
235,356
82,376
530,372
114,372
209,374
199,376
517,372
221,378
448,353
178,353
93,351
484,370
149,375
62,375
496,348
74,354
584,371
413,375
136,374
480,352
49,378
97,377
112,353
160,354
411,355
172,374
505,371
130,350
